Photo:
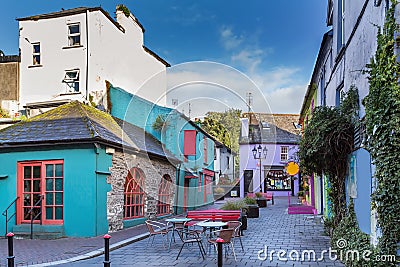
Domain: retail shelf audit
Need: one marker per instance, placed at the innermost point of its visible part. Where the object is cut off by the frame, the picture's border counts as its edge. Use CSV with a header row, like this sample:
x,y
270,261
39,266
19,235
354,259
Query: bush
x,y
219,191
249,201
233,205
300,194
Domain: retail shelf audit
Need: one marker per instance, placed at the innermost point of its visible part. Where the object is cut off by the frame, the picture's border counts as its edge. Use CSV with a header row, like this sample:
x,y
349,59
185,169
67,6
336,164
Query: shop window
x,y
164,195
74,34
134,194
41,187
278,180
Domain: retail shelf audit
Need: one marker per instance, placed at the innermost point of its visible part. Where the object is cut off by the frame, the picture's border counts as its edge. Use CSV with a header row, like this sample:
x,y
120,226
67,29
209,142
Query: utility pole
x,y
249,98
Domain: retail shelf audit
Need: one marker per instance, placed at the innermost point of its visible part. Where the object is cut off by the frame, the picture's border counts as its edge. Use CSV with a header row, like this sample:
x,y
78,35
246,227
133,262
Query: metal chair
x,y
237,226
157,228
227,236
191,237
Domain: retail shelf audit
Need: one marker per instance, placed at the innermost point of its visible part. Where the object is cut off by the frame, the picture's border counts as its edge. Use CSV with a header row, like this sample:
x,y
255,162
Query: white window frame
x,y
72,82
71,36
36,57
284,153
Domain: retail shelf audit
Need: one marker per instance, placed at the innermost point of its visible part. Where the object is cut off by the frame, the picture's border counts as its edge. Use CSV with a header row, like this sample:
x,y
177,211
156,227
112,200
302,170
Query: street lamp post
x,y
260,153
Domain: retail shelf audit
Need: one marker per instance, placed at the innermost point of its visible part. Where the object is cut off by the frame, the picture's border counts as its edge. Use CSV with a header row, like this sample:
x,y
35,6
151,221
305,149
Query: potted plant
x,y
237,205
261,201
300,195
251,207
219,193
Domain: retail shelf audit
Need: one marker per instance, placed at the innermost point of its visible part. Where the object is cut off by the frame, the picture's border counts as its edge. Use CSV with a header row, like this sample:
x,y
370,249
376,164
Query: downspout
x,y
87,55
177,189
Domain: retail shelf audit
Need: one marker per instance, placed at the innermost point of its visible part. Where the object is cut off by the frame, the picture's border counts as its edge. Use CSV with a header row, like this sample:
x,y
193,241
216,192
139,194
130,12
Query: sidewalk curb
x,y
96,252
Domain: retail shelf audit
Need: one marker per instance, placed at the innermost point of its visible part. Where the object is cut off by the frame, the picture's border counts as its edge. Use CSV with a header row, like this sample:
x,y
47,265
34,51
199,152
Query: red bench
x,y
213,215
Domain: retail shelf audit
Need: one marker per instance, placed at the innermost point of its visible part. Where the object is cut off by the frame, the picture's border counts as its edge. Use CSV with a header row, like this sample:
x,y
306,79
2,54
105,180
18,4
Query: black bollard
x,y
107,261
10,258
220,242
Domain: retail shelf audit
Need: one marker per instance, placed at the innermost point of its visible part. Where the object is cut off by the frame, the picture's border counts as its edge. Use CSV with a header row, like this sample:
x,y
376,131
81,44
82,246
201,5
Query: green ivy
x,y
347,236
327,141
124,9
160,123
382,107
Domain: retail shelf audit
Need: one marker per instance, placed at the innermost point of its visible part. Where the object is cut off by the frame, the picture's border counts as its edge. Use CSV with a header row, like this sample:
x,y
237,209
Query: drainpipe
x,y
87,55
177,189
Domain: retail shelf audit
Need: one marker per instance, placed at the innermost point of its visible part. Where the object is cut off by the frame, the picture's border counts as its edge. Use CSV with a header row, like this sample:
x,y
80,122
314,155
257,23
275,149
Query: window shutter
x,y
189,147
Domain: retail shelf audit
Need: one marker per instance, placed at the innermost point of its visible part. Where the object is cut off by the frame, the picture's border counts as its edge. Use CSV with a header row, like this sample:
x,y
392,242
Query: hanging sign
x,y
292,168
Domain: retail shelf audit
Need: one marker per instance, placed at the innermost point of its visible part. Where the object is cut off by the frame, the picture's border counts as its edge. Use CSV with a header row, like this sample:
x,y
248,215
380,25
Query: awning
x,y
190,175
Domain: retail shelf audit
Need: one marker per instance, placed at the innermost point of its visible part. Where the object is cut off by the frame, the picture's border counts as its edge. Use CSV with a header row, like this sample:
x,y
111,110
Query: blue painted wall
x,y
143,113
362,204
85,192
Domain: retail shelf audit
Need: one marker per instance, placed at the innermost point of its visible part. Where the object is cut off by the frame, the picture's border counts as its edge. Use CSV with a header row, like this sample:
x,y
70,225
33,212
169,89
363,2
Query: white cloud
x,y
228,39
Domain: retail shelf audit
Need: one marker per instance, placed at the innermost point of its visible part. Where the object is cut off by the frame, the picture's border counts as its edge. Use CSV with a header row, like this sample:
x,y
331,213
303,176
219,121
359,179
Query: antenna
x,y
249,97
190,110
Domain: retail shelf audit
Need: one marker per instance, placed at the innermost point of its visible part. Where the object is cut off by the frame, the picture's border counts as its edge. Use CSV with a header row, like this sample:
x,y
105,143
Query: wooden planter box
x,y
262,202
253,211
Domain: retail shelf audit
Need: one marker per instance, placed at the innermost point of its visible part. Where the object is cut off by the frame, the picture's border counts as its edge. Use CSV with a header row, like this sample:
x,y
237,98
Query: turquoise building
x,y
178,134
77,171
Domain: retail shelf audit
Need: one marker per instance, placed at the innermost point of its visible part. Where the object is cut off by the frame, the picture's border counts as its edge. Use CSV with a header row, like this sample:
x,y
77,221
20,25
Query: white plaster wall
x,y
113,55
121,59
45,82
359,51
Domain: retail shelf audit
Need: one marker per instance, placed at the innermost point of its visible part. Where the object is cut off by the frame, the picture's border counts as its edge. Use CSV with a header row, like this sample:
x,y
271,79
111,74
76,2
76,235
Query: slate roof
x,y
272,128
78,123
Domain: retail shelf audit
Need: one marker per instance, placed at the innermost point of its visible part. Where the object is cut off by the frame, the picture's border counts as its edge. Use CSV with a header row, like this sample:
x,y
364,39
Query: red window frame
x,y
134,194
36,179
164,195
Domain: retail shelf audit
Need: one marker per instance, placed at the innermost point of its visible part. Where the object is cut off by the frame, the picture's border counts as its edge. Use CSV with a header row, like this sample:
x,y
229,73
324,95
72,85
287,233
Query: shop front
x,y
278,181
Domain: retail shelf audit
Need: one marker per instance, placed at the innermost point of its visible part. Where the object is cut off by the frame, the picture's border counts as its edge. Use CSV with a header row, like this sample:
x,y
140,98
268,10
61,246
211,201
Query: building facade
x,y
178,134
278,140
77,162
68,55
341,64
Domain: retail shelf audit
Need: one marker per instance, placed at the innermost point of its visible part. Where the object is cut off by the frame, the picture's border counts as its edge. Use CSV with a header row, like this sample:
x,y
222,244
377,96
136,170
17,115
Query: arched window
x,y
164,195
134,194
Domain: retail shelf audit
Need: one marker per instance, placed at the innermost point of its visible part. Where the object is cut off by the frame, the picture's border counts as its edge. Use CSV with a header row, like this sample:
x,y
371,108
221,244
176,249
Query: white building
x,y
70,54
224,165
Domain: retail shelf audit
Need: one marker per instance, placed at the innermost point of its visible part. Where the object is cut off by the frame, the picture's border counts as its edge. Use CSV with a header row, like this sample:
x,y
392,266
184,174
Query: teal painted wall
x,y
143,113
85,192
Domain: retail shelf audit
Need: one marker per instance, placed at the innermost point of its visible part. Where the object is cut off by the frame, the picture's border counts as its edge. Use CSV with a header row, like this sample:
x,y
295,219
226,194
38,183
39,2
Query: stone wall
x,y
153,169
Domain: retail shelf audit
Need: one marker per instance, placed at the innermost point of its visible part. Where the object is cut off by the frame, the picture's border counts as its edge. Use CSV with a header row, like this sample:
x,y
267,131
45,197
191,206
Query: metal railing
x,y
5,213
33,218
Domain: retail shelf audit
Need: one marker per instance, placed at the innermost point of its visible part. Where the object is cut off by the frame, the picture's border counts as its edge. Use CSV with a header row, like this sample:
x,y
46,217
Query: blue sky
x,y
275,43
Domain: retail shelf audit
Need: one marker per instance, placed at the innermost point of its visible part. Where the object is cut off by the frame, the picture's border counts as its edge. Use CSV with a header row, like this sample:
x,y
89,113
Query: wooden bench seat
x,y
213,215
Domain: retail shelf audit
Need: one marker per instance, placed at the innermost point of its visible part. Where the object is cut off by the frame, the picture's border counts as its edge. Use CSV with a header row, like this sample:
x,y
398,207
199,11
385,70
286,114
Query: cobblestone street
x,y
274,229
